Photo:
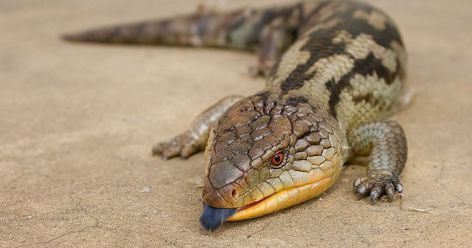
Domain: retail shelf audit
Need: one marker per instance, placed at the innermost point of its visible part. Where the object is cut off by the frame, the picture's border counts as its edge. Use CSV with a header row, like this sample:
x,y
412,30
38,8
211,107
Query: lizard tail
x,y
199,29
239,29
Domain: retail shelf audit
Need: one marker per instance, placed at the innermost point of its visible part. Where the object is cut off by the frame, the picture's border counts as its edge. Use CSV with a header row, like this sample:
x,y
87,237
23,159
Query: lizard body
x,y
334,74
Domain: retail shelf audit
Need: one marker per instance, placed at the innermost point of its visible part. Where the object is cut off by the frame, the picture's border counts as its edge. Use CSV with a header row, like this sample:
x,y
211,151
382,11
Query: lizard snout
x,y
225,197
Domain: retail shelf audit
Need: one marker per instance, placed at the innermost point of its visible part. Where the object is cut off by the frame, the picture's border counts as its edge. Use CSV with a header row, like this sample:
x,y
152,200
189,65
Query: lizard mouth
x,y
281,200
317,183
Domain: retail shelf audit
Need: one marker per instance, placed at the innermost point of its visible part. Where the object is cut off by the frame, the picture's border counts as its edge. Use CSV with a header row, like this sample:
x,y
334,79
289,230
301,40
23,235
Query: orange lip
x,y
282,200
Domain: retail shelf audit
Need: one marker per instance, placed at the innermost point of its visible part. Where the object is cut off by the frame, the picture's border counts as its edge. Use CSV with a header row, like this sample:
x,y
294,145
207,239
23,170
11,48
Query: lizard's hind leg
x,y
274,40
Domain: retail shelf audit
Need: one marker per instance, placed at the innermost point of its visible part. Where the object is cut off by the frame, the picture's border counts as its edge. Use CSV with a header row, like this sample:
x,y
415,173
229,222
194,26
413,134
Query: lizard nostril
x,y
234,193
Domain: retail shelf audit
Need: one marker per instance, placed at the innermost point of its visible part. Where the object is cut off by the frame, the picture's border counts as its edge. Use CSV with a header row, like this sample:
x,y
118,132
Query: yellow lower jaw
x,y
285,199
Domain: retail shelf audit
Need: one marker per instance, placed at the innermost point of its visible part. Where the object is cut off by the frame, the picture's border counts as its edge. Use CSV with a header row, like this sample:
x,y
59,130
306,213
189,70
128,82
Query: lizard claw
x,y
377,189
259,70
183,145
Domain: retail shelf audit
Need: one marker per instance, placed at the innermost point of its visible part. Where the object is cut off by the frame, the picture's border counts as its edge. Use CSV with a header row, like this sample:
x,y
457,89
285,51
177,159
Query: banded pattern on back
x,y
349,59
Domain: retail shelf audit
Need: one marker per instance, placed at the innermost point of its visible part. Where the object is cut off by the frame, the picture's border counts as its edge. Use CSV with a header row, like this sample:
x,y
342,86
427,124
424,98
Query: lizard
x,y
334,70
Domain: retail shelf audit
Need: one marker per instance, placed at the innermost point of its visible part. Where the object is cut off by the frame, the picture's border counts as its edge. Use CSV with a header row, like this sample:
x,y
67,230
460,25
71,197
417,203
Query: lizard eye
x,y
277,158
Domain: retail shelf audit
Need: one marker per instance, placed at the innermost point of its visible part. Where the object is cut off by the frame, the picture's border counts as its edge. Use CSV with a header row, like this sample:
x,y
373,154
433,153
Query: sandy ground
x,y
77,123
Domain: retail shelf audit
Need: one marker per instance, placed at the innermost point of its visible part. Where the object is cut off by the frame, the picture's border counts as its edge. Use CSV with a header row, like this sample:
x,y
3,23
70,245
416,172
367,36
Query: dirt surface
x,y
77,123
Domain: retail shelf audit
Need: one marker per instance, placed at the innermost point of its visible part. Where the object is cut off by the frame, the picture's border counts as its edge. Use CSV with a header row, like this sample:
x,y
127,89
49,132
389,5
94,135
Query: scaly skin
x,y
335,72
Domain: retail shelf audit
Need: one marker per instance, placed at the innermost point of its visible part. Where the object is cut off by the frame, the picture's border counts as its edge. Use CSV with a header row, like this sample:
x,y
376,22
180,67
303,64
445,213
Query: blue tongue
x,y
213,218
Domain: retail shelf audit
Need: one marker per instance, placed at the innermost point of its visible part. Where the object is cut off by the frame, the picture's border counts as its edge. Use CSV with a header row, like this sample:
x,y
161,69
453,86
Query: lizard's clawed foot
x,y
258,71
377,188
183,145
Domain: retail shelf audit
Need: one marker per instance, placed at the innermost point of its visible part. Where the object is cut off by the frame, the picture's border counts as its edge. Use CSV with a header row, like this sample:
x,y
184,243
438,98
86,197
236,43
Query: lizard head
x,y
266,155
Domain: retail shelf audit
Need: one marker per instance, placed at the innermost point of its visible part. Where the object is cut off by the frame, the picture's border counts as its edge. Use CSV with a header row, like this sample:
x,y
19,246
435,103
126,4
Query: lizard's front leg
x,y
195,138
385,143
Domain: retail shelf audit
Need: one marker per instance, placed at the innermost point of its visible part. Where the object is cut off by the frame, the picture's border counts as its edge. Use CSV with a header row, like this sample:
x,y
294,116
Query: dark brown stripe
x,y
294,101
364,67
319,46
